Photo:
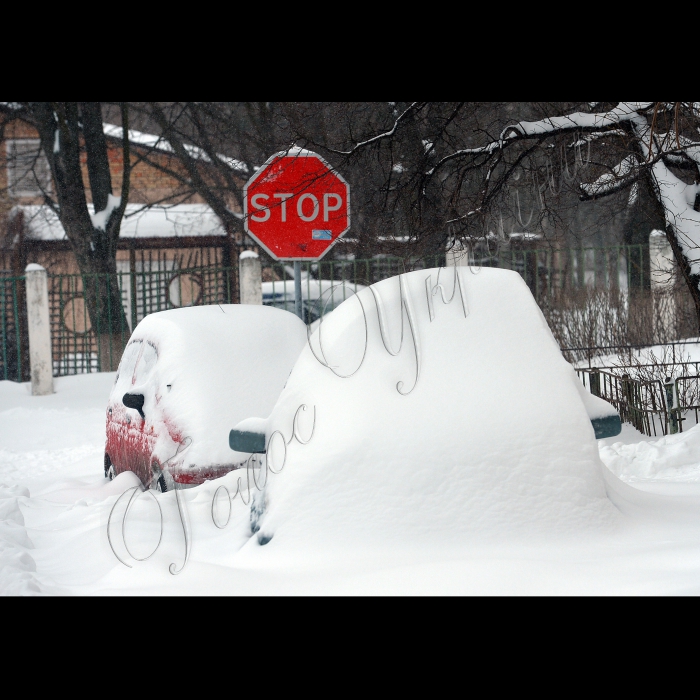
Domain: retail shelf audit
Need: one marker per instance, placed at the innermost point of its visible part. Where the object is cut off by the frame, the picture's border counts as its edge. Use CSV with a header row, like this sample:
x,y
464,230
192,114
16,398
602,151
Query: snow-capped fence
x,y
653,406
641,404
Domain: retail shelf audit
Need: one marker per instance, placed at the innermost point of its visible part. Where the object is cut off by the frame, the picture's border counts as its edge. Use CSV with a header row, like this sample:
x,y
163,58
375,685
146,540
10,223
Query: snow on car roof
x,y
222,363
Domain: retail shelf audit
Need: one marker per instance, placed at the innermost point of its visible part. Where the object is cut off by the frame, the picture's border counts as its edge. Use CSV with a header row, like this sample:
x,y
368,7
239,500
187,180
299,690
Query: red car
x,y
186,376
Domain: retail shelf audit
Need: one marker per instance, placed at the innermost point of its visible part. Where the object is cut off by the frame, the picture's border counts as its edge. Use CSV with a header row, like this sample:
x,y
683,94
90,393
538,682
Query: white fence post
x,y
250,276
663,263
39,330
663,273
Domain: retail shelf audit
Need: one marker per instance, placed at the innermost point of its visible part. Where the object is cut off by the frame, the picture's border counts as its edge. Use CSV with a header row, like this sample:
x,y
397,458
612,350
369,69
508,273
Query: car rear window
x,y
137,363
146,363
127,365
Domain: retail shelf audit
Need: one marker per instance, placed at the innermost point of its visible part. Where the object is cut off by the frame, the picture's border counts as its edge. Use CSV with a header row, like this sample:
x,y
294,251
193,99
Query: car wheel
x,y
110,471
160,484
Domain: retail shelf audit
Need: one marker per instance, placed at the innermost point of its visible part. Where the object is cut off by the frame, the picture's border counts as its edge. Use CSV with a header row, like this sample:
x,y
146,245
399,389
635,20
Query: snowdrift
x,y
391,426
672,458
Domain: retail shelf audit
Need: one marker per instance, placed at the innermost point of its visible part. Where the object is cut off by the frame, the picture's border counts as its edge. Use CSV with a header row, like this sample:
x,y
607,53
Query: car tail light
x,y
186,479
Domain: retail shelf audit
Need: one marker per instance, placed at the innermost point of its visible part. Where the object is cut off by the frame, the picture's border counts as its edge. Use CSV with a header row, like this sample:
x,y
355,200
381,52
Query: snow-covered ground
x,y
461,502
55,503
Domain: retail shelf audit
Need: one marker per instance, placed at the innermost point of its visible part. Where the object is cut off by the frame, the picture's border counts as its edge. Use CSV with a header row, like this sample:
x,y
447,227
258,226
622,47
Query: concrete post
x,y
250,276
39,330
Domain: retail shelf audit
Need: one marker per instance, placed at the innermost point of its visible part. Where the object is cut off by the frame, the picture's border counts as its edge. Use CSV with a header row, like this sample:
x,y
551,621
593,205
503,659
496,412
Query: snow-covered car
x,y
318,297
185,375
429,408
254,432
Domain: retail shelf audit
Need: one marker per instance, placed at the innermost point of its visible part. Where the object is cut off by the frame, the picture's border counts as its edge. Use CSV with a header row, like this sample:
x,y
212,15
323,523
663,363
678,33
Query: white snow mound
x,y
389,461
673,457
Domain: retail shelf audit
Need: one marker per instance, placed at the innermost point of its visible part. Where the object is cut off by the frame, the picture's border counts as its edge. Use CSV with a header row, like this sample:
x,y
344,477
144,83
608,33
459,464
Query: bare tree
x,y
249,133
644,150
66,130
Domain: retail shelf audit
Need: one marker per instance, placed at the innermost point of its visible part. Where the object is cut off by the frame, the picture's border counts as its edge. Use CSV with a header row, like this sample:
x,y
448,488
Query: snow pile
x,y
202,369
673,457
409,441
17,567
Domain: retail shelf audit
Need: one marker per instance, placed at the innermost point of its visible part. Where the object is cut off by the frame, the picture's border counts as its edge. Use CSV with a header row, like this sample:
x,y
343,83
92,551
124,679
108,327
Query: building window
x,y
28,173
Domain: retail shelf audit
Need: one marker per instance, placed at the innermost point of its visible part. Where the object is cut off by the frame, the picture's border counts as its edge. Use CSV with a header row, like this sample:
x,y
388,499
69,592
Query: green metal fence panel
x,y
75,338
14,357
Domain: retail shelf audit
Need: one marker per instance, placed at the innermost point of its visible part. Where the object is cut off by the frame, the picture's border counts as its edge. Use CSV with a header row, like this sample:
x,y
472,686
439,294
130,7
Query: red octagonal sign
x,y
296,207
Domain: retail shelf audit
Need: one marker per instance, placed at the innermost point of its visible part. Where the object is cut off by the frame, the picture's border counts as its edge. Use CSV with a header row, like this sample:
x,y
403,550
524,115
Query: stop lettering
x,y
296,207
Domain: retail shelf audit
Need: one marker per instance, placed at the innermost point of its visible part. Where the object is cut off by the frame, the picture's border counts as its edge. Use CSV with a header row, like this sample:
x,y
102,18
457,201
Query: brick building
x,y
165,222
173,250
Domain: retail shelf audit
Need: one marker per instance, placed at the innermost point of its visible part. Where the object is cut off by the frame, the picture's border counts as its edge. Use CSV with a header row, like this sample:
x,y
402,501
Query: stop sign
x,y
296,207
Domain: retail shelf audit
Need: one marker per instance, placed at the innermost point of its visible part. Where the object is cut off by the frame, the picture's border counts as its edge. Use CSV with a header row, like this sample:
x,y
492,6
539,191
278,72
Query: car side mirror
x,y
610,426
134,401
246,441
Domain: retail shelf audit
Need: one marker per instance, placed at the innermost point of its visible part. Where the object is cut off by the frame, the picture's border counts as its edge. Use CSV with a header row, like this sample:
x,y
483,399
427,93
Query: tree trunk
x,y
19,263
65,128
645,215
104,304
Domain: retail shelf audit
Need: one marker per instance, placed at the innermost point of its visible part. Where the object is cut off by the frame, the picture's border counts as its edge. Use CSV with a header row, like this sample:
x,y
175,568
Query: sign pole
x,y
297,289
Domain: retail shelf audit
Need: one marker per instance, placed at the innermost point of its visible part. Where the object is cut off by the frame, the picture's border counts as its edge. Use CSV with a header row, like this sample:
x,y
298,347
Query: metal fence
x,y
156,285
74,339
641,404
547,270
687,399
13,329
653,407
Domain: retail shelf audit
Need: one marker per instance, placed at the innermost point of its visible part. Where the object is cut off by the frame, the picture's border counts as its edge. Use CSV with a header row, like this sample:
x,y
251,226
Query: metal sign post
x,y
297,289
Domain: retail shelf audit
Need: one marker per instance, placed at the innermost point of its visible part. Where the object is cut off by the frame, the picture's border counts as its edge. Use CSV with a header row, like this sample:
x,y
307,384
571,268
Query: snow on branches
x,y
645,152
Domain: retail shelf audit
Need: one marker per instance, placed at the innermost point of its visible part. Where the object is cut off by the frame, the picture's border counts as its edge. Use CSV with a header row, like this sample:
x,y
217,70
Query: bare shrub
x,y
586,318
651,364
597,321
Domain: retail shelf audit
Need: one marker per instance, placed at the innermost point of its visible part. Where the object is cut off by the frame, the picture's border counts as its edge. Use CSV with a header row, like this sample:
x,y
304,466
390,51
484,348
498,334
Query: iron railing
x,y
75,345
548,269
640,403
653,407
164,284
13,329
